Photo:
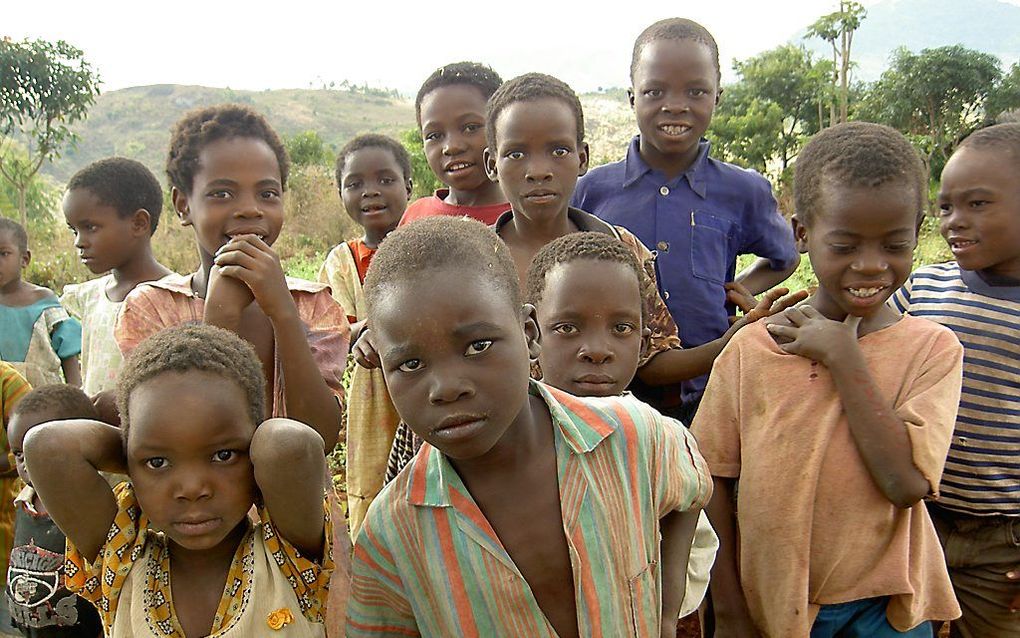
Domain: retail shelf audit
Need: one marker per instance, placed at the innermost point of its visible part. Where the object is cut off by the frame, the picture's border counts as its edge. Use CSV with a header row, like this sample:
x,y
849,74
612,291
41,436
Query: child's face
x,y
861,245
237,190
674,95
537,159
457,367
104,239
12,259
590,318
187,456
453,135
17,430
980,210
374,190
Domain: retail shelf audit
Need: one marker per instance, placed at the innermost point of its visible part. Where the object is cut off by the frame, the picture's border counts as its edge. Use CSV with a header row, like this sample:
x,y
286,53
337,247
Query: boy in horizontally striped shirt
x,y
977,514
528,512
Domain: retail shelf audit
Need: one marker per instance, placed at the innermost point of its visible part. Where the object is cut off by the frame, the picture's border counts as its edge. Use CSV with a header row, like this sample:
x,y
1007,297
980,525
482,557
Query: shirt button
x,y
665,294
664,191
663,246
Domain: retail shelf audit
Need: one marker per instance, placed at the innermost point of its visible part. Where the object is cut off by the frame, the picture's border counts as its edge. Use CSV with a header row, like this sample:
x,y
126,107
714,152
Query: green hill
x,y
136,122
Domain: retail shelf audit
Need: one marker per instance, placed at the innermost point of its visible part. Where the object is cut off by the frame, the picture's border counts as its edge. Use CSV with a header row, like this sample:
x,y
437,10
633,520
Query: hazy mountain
x,y
985,25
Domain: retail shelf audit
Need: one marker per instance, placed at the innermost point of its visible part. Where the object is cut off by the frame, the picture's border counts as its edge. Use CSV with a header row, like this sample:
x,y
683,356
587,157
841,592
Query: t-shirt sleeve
x,y
657,318
139,318
309,579
930,406
65,335
336,272
717,423
682,480
900,299
100,582
329,334
379,604
766,233
72,301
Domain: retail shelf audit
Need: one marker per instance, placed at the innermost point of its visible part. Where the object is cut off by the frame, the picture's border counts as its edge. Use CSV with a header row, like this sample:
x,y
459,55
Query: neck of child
x,y
211,558
140,268
200,279
517,447
540,229
373,237
881,317
37,503
488,194
13,287
669,164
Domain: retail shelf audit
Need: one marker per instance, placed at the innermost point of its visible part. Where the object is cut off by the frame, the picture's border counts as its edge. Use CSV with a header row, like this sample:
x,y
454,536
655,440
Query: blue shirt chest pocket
x,y
712,241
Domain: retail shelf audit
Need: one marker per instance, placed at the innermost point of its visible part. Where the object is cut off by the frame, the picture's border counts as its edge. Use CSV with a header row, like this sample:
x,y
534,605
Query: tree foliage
x,y
423,180
47,86
838,30
308,149
936,97
1004,96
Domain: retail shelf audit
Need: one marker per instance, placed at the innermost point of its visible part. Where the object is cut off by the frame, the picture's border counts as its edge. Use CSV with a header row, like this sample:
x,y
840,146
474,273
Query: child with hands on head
x,y
228,171
450,110
977,514
504,510
174,551
38,554
37,336
373,176
828,535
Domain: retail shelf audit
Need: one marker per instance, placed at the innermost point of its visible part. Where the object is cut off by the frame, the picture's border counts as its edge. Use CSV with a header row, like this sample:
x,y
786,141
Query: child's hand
x,y
738,295
106,406
813,336
775,301
226,296
249,259
364,352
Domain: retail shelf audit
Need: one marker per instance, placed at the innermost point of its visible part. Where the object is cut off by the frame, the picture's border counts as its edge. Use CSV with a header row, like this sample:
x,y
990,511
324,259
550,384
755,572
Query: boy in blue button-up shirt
x,y
696,212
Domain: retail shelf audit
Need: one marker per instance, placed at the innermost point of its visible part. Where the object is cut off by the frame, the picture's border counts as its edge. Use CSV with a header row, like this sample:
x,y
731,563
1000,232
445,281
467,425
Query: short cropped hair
x,y
441,242
372,140
123,184
188,347
17,232
856,154
1004,137
574,247
199,128
675,29
57,401
473,74
529,88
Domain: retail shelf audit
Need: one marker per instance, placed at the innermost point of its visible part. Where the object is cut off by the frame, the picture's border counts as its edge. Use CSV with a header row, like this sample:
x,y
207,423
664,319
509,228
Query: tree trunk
x,y
22,205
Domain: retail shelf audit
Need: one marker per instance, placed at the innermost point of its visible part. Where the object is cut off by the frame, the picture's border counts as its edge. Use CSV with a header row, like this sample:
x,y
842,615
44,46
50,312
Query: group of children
x,y
501,479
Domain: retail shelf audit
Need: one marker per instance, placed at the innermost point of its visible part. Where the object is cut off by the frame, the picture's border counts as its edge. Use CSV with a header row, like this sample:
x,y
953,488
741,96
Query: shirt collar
x,y
585,222
635,167
579,423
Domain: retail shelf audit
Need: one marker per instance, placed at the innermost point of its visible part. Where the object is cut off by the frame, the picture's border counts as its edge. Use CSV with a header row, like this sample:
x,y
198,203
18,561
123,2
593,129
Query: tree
x,y
936,97
838,29
308,149
1005,96
47,86
423,179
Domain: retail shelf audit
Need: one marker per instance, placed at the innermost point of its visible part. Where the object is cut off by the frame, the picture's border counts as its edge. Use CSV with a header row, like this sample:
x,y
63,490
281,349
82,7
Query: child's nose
x,y
454,145
448,388
595,352
192,486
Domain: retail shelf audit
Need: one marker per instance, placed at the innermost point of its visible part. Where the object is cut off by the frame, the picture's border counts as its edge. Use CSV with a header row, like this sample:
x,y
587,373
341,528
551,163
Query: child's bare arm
x,y
65,458
759,276
674,366
290,469
732,617
677,529
72,371
880,435
251,261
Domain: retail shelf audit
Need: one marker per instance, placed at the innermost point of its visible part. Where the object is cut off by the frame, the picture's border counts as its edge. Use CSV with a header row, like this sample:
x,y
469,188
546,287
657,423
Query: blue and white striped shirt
x,y
982,474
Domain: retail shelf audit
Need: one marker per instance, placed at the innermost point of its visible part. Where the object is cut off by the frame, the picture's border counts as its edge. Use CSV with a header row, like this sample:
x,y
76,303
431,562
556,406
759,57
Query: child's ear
x,y
630,97
489,159
718,95
529,321
180,200
141,222
800,234
582,154
646,341
410,188
26,258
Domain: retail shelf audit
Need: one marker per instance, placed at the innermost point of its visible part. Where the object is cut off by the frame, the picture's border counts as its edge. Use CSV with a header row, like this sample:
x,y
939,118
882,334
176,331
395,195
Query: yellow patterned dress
x,y
13,386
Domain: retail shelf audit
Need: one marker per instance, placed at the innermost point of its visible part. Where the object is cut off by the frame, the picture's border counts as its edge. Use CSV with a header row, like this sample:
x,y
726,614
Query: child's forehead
x,y
548,115
238,153
442,293
370,158
460,95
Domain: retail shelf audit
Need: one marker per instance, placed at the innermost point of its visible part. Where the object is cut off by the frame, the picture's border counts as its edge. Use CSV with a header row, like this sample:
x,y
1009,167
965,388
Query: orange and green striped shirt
x,y
427,562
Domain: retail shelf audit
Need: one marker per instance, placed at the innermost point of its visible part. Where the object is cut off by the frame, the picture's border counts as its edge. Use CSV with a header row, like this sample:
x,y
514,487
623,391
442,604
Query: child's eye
x,y
156,463
944,209
653,93
471,128
431,137
561,152
224,455
74,231
565,329
899,247
623,329
478,347
270,194
351,185
219,194
515,155
411,365
698,92
978,203
386,181
842,249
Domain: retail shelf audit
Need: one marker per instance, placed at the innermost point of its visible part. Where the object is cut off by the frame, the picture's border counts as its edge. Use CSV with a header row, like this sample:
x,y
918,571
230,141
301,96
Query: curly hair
x,y
17,232
189,347
1004,137
124,184
56,401
855,154
441,242
531,87
675,29
574,247
198,128
473,74
372,140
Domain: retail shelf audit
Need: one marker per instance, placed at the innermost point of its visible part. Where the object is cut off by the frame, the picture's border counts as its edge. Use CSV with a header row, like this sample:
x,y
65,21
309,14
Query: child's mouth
x,y
457,167
196,527
674,130
866,296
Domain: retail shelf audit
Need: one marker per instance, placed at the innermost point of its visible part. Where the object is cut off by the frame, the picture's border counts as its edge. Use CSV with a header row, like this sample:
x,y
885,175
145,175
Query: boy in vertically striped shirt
x,y
528,511
977,514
